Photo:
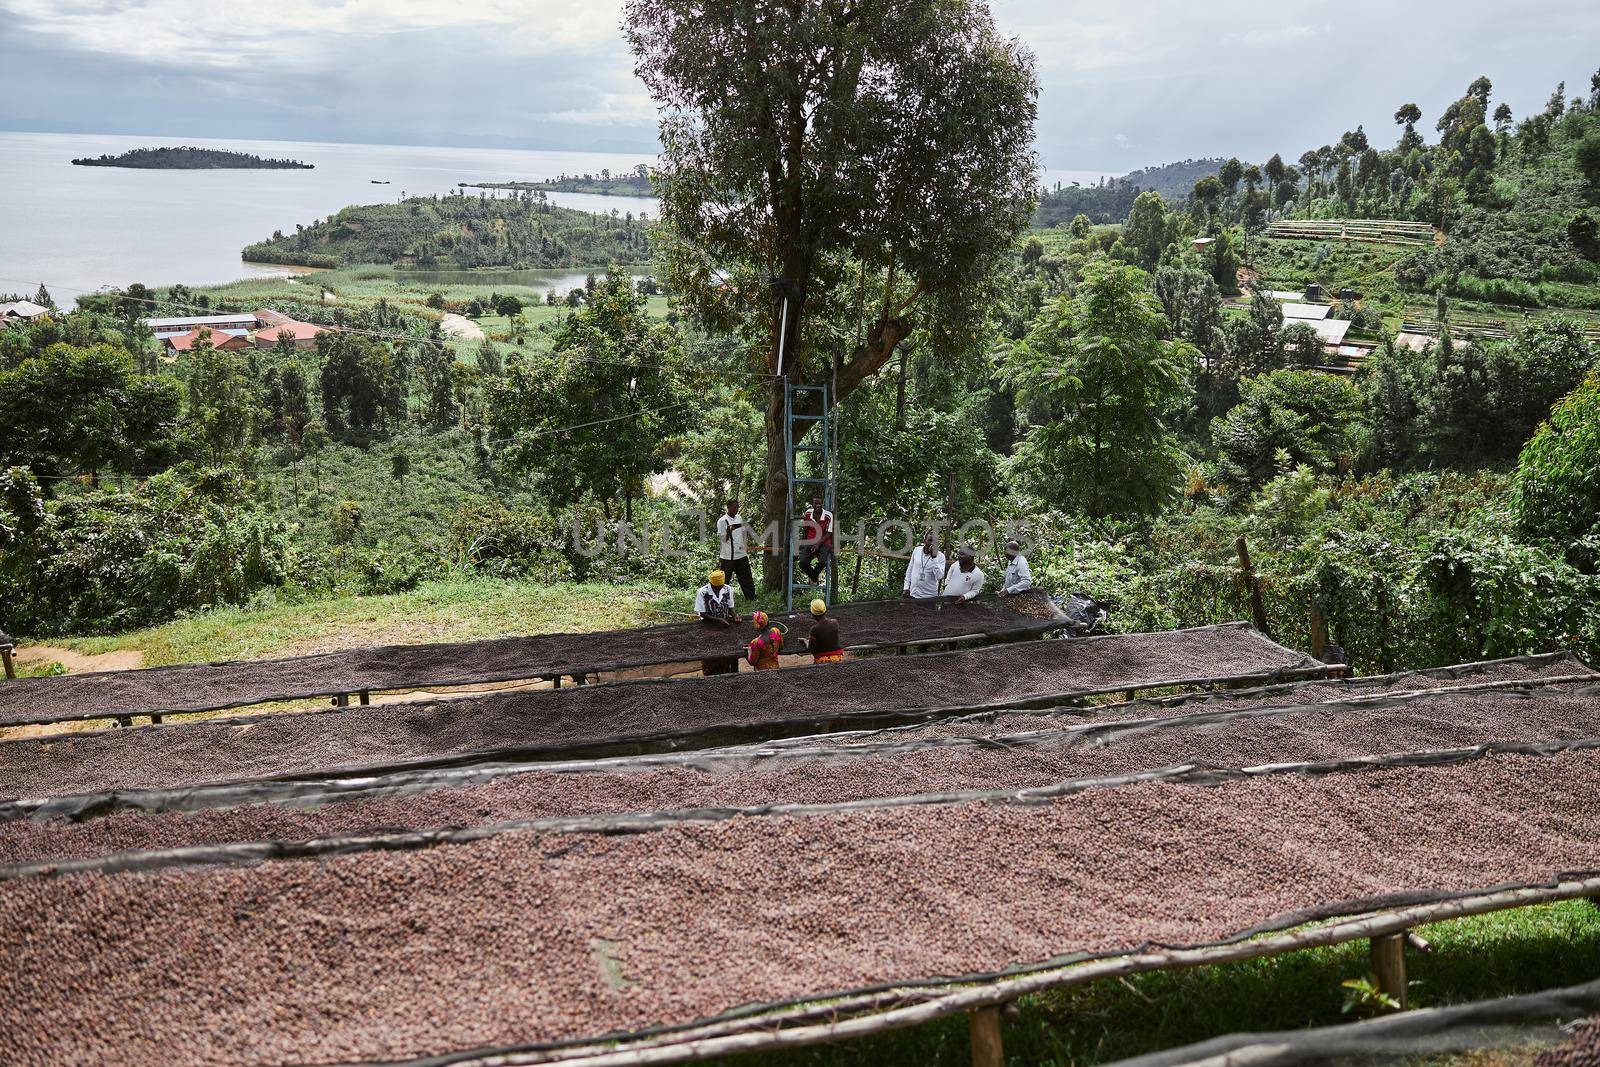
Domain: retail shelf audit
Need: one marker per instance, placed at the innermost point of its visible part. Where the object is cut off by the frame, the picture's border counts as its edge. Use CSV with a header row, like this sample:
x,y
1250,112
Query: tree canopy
x,y
869,160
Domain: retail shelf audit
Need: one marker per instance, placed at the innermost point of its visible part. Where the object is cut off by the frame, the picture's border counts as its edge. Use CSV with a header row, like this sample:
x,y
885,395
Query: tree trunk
x,y
900,391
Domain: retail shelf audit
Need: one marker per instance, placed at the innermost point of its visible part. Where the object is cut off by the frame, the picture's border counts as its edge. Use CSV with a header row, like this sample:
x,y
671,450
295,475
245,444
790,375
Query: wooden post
x,y
1389,965
1319,632
1252,584
987,1049
5,656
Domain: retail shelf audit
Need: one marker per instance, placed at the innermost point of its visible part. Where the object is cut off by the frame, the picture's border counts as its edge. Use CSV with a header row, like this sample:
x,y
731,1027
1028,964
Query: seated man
x,y
714,605
824,643
1018,579
767,646
924,570
816,540
714,602
965,580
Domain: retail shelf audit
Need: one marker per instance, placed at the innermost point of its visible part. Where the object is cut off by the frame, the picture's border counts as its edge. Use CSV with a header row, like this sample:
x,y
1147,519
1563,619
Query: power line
x,y
381,335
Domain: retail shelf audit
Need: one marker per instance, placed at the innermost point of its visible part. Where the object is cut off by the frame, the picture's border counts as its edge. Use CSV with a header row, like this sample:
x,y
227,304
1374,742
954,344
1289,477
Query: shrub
x,y
109,560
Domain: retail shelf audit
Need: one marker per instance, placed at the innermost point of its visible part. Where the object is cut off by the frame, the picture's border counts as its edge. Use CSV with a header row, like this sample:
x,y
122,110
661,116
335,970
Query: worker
x,y
824,644
767,646
1018,578
733,549
816,539
714,604
965,580
925,569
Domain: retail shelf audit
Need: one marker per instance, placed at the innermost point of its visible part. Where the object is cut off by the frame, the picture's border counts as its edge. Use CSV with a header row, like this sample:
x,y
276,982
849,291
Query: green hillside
x,y
460,232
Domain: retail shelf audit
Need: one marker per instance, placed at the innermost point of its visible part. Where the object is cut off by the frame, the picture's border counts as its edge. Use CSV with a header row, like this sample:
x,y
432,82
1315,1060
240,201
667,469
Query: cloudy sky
x,y
1124,84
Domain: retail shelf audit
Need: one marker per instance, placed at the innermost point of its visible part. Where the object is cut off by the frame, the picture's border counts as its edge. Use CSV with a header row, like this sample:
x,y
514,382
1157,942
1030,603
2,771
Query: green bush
x,y
109,560
1556,494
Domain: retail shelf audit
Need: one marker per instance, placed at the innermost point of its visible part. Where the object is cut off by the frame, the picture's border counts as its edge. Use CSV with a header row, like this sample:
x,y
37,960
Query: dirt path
x,y
461,326
78,662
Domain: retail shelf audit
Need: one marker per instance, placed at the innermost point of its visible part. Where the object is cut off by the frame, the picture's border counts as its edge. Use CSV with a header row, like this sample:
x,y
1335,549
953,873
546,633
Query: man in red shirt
x,y
816,539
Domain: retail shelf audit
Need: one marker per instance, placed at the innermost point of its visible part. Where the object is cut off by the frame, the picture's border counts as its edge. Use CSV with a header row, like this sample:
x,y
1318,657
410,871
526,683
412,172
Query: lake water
x,y
80,228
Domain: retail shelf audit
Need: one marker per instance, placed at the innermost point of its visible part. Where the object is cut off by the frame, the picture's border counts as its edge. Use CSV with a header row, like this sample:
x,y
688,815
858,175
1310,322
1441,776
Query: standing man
x,y
824,643
965,580
1018,579
925,569
816,539
733,549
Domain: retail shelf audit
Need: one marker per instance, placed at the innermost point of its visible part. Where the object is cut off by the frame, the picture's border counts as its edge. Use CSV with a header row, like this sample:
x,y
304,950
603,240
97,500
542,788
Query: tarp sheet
x,y
364,740
634,795
237,683
978,728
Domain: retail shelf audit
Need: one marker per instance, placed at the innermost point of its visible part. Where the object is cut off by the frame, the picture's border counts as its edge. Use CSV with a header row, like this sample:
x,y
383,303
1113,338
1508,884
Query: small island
x,y
190,159
635,182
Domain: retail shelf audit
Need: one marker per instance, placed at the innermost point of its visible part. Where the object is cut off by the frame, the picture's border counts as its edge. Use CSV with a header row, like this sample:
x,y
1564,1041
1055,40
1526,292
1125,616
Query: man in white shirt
x,y
1018,579
733,549
925,569
714,604
965,580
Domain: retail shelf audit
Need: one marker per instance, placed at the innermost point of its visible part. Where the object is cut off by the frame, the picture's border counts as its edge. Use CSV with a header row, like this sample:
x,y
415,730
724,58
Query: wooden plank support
x,y
366,696
1319,633
5,657
1389,965
987,1047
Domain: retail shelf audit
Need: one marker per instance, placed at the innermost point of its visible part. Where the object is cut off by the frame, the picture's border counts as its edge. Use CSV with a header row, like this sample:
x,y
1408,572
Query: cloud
x,y
1123,85
1278,35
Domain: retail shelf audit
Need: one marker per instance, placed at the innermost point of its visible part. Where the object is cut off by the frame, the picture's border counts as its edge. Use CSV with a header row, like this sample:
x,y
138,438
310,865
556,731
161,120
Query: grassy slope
x,y
452,610
1472,959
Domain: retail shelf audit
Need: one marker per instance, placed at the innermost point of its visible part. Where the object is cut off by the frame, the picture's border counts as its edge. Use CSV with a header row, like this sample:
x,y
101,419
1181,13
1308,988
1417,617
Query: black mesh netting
x,y
211,686
366,739
399,811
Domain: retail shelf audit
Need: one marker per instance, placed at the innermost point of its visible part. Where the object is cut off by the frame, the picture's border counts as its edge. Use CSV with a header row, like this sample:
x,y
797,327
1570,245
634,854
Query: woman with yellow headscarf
x,y
824,643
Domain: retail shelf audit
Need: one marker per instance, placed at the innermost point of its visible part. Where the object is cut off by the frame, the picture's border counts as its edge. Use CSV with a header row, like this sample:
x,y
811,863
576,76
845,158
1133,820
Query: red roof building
x,y
303,333
184,342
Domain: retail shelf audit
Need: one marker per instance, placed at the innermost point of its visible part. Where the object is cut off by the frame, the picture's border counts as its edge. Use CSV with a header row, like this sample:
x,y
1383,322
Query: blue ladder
x,y
795,428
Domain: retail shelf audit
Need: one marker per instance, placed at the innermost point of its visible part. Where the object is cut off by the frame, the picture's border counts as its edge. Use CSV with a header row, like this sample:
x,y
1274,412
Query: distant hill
x,y
190,159
635,182
1111,200
459,232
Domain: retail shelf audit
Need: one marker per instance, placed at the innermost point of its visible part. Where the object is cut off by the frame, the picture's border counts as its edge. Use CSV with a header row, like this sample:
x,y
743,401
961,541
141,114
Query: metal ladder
x,y
794,427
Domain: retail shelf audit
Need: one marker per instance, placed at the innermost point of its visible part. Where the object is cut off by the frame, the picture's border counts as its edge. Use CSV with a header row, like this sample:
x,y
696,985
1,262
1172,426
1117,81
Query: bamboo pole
x,y
672,1049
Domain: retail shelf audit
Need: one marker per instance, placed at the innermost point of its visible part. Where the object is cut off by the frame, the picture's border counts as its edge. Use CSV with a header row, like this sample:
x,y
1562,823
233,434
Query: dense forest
x,y
1132,393
190,159
458,231
1110,200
